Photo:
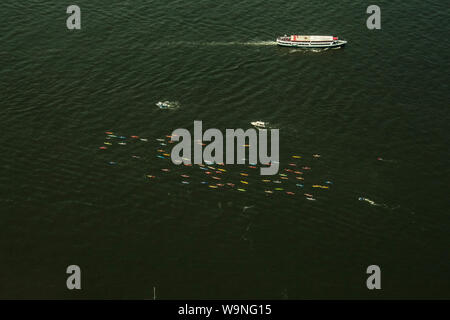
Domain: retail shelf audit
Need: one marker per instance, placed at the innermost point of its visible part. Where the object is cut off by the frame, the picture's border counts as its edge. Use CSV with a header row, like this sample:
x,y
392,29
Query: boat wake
x,y
221,44
259,43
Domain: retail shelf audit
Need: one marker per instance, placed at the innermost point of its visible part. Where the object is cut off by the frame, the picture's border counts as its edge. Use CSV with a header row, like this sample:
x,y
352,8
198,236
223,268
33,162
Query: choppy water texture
x,y
384,95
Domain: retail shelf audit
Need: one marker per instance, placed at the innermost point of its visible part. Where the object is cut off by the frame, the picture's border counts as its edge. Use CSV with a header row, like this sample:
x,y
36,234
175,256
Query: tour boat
x,y
300,41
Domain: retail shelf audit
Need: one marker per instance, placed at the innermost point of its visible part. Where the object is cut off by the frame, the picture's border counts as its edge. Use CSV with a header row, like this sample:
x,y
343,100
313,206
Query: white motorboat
x,y
259,124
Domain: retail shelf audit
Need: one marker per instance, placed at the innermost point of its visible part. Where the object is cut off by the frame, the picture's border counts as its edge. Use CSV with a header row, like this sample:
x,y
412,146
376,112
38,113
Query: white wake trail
x,y
222,43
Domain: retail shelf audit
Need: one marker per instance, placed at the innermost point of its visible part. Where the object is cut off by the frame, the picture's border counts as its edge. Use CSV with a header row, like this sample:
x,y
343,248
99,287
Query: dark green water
x,y
385,95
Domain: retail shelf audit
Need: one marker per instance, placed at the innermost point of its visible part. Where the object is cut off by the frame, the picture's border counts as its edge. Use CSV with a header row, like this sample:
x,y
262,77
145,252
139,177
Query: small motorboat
x,y
168,104
259,124
163,104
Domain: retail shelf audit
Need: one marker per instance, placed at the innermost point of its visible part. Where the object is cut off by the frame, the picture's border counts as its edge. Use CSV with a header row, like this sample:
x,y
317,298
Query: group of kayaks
x,y
213,170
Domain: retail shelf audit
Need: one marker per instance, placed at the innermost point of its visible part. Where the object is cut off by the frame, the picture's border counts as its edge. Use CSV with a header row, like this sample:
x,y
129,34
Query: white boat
x,y
259,124
301,41
163,105
168,104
